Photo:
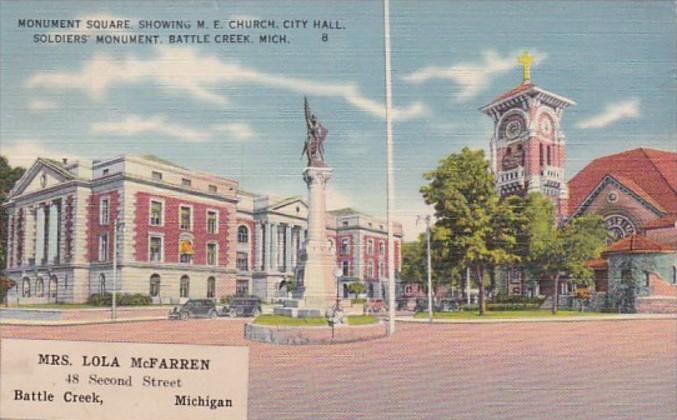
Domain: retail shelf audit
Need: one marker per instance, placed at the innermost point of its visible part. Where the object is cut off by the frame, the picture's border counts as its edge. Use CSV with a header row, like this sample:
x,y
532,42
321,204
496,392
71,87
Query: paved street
x,y
597,369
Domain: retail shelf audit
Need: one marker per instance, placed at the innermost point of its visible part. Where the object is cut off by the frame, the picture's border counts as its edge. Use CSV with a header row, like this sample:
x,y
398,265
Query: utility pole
x,y
427,220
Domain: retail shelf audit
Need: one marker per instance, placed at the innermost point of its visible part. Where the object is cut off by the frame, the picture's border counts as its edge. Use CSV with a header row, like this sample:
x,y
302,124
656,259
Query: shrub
x,y
121,299
520,299
358,301
5,285
512,306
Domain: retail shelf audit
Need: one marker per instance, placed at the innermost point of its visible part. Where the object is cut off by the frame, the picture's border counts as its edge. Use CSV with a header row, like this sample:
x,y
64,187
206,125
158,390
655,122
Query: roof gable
x,y
650,173
44,173
637,244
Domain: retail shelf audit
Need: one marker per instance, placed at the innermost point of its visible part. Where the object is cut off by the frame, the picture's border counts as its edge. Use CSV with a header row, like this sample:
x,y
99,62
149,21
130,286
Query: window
x,y
345,246
157,175
370,247
242,235
103,247
156,213
186,182
345,223
102,284
370,269
330,244
345,266
211,254
647,278
39,287
382,248
212,221
185,251
104,210
185,222
26,287
156,254
105,171
674,274
211,287
213,189
184,287
242,261
155,285
381,270
540,153
53,284
548,156
242,288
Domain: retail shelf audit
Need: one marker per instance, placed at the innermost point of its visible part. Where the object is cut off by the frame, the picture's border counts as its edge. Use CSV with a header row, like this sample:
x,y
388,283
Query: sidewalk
x,y
608,317
71,322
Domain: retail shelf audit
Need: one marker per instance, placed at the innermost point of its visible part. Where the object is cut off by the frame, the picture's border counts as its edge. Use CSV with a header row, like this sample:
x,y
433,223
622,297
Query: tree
x,y
564,251
413,261
8,177
473,224
356,288
445,266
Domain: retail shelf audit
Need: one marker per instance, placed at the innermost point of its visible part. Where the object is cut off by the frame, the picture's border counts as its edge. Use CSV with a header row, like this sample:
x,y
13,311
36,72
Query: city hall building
x,y
179,234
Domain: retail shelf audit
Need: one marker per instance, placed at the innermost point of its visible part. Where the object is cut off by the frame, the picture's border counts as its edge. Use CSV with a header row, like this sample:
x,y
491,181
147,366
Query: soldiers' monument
x,y
319,284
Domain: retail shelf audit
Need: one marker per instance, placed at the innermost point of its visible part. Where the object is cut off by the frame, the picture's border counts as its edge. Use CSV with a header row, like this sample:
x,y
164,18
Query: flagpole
x,y
390,194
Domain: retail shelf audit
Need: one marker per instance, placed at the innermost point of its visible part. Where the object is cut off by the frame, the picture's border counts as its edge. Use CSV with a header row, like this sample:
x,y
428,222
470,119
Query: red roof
x,y
637,244
597,264
520,88
649,173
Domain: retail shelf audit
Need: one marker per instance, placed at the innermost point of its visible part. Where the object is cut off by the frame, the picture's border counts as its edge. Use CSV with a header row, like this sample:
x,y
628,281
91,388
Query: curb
x,y
628,317
18,322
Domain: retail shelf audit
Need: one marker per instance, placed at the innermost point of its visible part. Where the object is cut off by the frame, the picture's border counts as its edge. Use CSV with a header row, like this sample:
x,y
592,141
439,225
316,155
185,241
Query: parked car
x,y
243,306
195,308
374,306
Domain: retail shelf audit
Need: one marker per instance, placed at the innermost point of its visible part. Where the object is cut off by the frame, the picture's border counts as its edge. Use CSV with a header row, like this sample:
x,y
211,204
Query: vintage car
x,y
195,308
374,306
243,306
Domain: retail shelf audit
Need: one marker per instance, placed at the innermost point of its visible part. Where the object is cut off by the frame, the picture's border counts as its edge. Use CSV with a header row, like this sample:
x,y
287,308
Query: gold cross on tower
x,y
525,60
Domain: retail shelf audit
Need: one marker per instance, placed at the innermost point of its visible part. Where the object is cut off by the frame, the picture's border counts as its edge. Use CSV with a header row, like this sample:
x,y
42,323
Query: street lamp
x,y
337,274
118,225
426,219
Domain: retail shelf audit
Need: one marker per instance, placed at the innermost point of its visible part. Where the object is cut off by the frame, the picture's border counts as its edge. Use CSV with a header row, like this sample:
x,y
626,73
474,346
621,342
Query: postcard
x,y
328,210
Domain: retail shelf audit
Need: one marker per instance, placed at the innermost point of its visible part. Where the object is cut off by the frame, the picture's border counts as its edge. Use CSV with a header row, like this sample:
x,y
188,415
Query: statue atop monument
x,y
315,138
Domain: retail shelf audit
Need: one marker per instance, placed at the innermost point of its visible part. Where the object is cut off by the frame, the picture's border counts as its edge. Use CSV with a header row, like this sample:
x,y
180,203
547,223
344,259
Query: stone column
x,y
287,248
266,263
53,234
258,261
318,275
40,235
273,247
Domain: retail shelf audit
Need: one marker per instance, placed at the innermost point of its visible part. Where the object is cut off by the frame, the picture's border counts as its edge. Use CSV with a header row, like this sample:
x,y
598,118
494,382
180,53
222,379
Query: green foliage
x,y
361,319
473,228
358,301
8,177
283,320
356,288
521,299
121,299
5,284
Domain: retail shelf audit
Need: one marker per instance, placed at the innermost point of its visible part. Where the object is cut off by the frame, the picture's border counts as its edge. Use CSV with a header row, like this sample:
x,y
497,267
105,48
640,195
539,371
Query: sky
x,y
237,109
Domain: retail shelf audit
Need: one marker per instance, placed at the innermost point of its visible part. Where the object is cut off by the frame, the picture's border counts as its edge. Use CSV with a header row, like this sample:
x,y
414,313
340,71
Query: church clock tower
x,y
527,148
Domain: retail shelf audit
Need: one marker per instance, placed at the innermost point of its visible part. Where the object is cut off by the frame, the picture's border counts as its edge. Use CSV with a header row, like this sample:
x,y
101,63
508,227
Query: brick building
x,y
181,233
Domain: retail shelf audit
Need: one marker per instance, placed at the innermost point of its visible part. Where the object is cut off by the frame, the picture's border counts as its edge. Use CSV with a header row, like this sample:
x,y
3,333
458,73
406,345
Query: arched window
x,y
53,283
211,287
370,269
102,283
330,243
370,247
26,287
382,248
242,235
155,285
39,287
184,287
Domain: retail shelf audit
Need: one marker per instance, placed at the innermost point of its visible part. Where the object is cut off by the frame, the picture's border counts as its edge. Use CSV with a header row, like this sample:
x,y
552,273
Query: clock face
x,y
545,125
513,128
618,227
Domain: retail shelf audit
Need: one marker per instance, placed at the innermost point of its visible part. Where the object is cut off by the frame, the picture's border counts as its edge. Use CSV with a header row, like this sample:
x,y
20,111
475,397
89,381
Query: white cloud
x,y
42,105
23,152
236,130
472,78
182,70
160,125
616,111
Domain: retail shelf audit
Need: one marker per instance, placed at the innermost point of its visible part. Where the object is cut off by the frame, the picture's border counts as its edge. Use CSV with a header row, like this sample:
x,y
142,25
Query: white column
x,y
53,236
266,263
287,248
258,260
40,235
273,247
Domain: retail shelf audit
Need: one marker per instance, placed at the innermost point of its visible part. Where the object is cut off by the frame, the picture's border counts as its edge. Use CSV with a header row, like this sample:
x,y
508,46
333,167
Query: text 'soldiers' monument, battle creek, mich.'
x,y
318,287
